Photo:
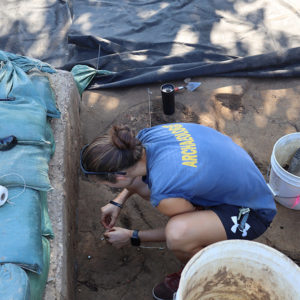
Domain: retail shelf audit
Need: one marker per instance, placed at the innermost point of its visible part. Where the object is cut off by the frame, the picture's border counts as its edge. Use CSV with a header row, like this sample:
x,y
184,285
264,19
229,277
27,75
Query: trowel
x,y
190,86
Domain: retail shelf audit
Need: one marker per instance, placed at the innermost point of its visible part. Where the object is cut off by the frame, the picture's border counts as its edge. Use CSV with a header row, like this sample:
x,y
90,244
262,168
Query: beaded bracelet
x,y
116,203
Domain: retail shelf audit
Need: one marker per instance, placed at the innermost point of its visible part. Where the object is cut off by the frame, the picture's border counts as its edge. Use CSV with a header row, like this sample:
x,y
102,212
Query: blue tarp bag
x,y
26,63
20,229
14,283
46,95
28,164
25,120
25,165
16,84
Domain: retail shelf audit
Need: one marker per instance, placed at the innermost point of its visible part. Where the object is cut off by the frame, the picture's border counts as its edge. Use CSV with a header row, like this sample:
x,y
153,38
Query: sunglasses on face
x,y
86,172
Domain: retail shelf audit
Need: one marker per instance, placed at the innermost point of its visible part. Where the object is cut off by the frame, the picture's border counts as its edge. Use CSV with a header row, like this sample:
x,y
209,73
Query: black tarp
x,y
36,28
151,41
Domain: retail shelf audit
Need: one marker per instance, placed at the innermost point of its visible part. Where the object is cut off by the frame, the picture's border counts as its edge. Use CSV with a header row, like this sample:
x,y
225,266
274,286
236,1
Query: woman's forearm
x,y
123,196
152,235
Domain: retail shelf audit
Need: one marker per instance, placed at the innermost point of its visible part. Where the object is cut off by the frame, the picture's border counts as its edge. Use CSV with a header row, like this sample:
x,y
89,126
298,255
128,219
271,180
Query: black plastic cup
x,y
168,98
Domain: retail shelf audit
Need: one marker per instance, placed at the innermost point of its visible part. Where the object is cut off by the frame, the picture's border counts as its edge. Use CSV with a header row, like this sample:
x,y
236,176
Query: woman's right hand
x,y
109,215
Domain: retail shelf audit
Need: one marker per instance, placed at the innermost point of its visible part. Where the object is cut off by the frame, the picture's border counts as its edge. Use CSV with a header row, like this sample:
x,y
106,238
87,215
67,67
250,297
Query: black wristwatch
x,y
135,240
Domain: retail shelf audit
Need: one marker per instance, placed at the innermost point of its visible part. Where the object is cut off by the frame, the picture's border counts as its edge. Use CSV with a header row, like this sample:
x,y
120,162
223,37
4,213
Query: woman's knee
x,y
192,231
176,230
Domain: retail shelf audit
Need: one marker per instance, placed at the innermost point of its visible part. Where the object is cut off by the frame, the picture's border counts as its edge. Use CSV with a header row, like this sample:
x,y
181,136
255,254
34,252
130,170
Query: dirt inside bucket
x,y
226,285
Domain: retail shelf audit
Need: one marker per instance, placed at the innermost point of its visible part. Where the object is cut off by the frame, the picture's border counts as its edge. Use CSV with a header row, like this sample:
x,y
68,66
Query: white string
x,y
145,247
149,247
24,186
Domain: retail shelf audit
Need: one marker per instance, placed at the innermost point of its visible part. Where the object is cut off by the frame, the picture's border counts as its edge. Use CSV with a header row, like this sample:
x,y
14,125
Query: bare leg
x,y
188,233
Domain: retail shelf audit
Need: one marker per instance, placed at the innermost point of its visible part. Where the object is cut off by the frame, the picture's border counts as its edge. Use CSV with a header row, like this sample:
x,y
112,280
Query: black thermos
x,y
168,98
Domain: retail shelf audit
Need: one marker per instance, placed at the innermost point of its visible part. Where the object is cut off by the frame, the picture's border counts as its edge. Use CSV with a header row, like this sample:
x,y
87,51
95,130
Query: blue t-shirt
x,y
203,166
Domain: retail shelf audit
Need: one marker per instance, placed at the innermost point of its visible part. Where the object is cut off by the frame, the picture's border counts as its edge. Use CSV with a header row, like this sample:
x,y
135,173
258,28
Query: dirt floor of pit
x,y
255,113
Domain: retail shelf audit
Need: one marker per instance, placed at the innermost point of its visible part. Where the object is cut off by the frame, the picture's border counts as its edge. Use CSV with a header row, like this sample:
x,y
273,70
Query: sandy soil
x,y
255,113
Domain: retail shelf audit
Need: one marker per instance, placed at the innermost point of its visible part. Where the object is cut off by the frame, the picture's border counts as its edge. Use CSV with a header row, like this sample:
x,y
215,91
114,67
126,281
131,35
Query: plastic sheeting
x,y
36,28
149,41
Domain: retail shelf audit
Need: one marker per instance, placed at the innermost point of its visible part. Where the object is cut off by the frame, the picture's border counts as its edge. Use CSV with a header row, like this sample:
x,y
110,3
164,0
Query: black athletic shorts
x,y
249,226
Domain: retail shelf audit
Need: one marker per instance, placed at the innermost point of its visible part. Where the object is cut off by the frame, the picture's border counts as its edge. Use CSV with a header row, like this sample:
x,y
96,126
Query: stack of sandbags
x,y
27,102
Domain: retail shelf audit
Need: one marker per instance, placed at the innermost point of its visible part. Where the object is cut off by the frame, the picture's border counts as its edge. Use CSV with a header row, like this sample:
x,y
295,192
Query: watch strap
x,y
116,203
135,240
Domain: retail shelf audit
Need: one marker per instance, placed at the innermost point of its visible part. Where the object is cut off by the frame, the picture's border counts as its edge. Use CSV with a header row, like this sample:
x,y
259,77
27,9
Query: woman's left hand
x,y
118,237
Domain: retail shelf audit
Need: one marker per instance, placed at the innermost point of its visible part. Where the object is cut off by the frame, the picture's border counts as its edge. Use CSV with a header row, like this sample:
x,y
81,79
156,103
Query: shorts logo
x,y
236,226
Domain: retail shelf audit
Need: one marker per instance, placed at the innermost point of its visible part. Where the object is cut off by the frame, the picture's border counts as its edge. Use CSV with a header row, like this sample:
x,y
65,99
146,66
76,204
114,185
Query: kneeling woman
x,y
208,186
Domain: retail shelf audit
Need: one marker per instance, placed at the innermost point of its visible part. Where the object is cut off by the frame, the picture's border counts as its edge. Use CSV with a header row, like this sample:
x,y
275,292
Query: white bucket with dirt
x,y
284,185
238,269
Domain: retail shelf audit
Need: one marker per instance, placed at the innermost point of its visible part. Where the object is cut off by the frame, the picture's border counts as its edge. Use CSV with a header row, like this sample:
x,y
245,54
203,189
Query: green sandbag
x,y
47,230
26,163
50,137
20,230
83,75
14,283
12,77
26,63
25,120
16,85
46,94
38,281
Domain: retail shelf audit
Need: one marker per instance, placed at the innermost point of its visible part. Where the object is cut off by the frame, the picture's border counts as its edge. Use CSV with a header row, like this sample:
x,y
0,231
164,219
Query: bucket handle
x,y
272,191
268,180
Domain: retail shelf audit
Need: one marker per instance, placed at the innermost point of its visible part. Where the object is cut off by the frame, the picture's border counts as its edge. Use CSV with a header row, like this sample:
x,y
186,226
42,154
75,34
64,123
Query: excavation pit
x,y
83,265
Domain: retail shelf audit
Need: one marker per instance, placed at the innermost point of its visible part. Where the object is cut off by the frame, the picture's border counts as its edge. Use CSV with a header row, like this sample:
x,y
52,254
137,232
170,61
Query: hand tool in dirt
x,y
191,86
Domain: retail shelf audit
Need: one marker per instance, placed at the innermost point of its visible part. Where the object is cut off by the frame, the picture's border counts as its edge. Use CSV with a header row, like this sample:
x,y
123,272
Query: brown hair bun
x,y
123,137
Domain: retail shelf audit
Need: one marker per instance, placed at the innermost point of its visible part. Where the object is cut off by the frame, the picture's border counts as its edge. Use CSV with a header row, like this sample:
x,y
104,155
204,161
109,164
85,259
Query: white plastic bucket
x,y
238,269
284,185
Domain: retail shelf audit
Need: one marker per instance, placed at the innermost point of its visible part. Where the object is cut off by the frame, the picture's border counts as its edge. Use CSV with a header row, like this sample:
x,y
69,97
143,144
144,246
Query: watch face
x,y
135,241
